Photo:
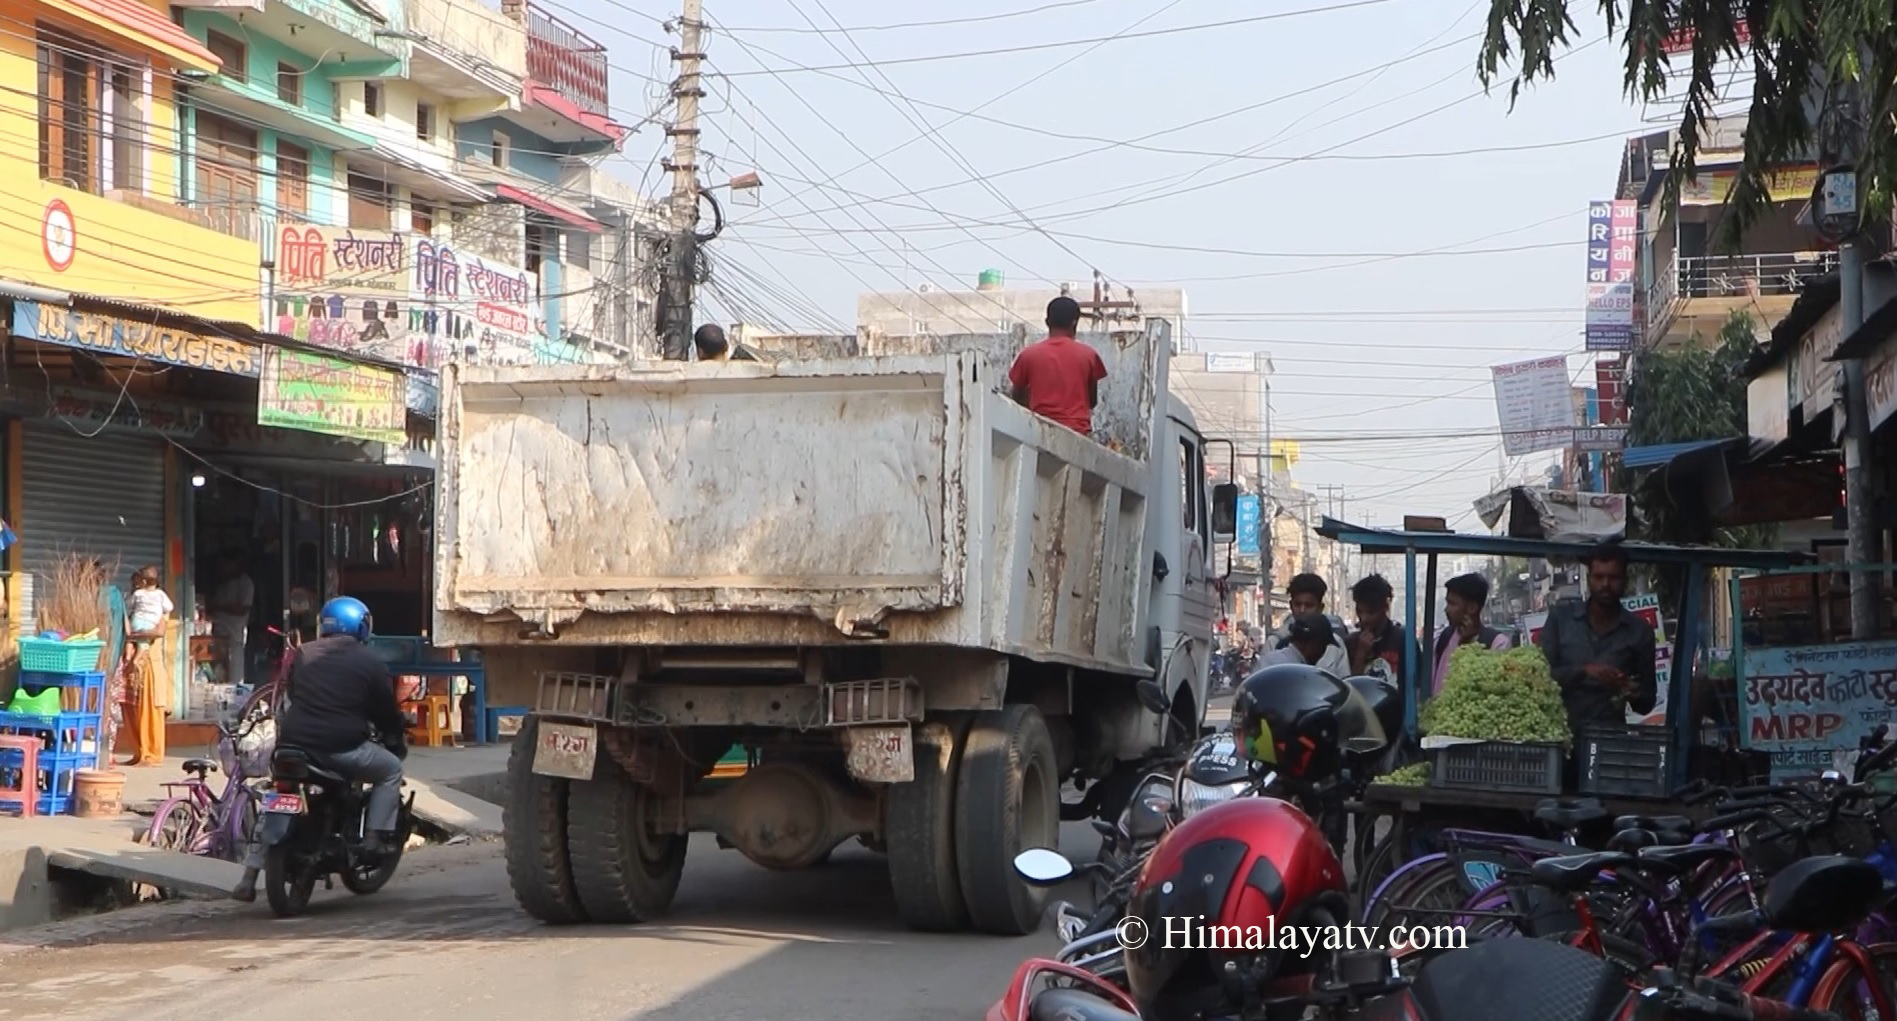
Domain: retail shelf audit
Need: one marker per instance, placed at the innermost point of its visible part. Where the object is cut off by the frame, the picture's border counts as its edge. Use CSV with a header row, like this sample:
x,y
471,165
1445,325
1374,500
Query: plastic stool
x,y
26,789
434,721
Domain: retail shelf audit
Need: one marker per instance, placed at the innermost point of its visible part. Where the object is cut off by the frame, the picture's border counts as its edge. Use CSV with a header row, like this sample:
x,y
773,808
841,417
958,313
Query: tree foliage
x,y
1804,56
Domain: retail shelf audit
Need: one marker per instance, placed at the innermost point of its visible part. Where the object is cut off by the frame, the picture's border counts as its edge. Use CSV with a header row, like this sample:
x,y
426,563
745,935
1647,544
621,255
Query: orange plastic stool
x,y
434,723
27,787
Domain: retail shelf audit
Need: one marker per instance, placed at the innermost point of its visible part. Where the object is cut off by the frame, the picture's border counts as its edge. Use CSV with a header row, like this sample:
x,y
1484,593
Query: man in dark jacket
x,y
342,712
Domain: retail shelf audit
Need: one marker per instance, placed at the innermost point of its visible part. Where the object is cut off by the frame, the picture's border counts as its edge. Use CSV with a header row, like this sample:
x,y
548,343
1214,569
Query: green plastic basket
x,y
44,656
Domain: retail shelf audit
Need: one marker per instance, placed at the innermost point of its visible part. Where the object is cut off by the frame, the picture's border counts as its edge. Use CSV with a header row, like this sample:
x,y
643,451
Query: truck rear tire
x,y
623,872
533,832
1007,799
919,832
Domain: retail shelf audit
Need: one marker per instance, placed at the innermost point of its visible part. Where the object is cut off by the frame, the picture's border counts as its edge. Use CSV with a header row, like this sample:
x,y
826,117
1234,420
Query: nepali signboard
x,y
343,289
1807,703
316,393
473,309
127,338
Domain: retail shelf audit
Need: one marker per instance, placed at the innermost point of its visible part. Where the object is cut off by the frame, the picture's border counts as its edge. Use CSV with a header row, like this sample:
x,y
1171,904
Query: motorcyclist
x,y
338,691
1307,592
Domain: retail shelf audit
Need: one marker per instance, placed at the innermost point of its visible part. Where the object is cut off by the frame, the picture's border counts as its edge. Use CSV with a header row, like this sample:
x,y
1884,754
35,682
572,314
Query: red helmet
x,y
1243,865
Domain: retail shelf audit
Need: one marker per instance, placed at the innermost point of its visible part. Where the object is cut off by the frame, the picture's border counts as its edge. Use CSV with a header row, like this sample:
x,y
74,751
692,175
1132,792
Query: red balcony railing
x,y
566,60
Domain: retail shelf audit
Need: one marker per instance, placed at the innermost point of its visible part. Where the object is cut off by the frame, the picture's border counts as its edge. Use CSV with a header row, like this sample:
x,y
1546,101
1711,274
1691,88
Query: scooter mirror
x,y
1041,866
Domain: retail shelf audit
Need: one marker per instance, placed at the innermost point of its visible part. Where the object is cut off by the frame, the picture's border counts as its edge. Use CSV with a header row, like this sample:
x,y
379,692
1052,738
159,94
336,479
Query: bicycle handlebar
x,y
1728,1005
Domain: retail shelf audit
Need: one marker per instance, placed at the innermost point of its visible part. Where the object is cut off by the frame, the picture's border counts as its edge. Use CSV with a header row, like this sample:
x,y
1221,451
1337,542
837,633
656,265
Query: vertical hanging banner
x,y
1247,525
1610,379
1612,256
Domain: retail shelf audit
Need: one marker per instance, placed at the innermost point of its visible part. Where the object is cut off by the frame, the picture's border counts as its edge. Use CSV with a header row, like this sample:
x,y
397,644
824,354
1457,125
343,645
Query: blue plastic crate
x,y
43,655
56,781
87,689
74,734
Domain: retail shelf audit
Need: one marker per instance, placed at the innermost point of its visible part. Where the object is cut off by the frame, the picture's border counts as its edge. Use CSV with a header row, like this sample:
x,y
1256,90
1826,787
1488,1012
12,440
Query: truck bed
x,y
883,499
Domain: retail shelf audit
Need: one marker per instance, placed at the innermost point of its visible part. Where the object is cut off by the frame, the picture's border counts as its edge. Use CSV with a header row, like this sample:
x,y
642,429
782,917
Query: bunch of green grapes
x,y
1413,775
1498,696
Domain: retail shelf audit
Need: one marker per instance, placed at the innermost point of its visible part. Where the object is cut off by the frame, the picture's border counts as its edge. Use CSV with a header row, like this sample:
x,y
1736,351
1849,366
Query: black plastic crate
x,y
1624,760
1498,766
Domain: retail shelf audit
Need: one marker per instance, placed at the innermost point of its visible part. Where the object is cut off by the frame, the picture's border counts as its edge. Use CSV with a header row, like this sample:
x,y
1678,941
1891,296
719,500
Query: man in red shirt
x,y
1060,377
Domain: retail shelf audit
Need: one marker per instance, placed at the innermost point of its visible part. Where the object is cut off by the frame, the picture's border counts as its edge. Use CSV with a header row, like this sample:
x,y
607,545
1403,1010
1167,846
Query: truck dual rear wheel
x,y
533,831
919,831
1007,799
622,870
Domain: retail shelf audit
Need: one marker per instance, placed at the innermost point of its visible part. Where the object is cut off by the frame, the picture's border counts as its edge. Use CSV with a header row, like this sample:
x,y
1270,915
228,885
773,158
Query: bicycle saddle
x,y
1684,859
1577,871
1654,822
199,766
1570,813
1074,1005
1633,840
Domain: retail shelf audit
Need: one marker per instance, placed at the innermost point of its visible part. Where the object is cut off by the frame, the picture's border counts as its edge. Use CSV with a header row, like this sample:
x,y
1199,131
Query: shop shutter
x,y
103,495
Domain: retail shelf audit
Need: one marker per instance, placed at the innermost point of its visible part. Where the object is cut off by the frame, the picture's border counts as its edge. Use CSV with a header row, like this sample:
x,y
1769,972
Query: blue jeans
x,y
368,763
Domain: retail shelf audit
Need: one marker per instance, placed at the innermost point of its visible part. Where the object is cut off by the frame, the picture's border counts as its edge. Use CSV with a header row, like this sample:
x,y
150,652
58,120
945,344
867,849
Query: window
x,y
579,250
498,150
128,130
424,122
230,53
371,99
1188,483
293,179
68,110
539,247
290,84
422,217
226,164
371,203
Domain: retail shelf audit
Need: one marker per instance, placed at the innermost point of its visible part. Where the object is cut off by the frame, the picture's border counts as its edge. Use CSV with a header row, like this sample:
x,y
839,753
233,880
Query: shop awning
x,y
1663,454
383,161
143,27
552,208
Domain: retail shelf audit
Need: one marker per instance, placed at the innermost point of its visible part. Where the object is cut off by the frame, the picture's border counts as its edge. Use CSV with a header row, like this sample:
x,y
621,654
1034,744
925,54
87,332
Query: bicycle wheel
x,y
1430,897
178,825
1399,879
1846,990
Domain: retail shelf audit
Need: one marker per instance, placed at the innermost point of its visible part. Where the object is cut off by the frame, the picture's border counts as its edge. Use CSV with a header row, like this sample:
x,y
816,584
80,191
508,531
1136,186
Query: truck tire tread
x,y
919,831
533,833
615,881
1004,747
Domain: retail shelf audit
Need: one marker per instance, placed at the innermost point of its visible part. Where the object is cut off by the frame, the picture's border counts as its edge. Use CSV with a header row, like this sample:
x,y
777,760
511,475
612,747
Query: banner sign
x,y
1534,405
344,289
96,411
1613,238
1804,703
125,338
1247,527
326,395
472,309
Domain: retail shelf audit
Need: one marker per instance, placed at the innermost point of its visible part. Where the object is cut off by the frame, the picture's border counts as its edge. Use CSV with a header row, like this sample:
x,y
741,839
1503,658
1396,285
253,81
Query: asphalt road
x,y
444,942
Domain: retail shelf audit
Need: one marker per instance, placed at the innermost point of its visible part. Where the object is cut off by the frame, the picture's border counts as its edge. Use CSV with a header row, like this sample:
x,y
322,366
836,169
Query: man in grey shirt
x,y
1601,654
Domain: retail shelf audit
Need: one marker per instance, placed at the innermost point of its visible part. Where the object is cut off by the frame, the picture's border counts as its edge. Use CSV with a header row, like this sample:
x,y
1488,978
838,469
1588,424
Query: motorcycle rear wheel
x,y
287,882
363,880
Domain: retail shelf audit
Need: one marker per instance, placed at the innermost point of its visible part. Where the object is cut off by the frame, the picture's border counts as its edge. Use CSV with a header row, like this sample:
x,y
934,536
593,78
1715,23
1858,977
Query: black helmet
x,y
1297,720
1385,701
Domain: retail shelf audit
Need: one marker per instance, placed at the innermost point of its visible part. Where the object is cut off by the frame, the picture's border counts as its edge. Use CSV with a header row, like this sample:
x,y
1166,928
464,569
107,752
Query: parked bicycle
x,y
195,819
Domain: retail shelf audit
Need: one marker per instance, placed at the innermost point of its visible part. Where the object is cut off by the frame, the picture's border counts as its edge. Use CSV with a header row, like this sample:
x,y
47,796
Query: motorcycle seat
x,y
1683,859
297,764
1074,1005
199,766
1657,823
1576,871
1569,815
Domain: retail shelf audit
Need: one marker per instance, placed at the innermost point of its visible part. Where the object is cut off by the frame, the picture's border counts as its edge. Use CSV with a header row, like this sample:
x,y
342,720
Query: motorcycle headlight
x,y
1196,797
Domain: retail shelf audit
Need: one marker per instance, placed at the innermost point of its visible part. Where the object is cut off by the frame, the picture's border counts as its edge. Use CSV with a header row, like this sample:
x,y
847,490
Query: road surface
x,y
444,942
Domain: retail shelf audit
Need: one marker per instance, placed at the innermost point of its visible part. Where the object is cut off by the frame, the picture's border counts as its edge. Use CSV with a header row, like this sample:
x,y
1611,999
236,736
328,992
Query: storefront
x,y
101,495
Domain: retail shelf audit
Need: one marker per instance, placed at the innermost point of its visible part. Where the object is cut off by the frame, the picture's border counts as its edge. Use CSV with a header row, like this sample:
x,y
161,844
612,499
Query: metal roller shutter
x,y
103,495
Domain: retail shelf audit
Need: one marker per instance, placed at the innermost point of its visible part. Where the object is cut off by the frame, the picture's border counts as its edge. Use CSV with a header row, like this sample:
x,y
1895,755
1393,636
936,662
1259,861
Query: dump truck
x,y
921,609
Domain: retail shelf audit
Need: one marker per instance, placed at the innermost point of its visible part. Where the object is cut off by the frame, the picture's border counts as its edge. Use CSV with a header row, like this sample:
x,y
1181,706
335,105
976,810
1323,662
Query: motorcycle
x,y
1062,990
314,826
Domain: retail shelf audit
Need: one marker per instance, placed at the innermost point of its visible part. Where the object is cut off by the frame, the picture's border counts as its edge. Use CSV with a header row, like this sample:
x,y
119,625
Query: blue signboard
x,y
1805,702
1247,525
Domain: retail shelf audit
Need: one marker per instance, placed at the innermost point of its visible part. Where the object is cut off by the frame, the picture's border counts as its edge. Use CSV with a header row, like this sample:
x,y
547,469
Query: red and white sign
x,y
1610,375
59,236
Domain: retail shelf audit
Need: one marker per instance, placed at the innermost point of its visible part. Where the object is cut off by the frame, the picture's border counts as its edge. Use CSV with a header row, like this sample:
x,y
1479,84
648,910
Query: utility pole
x,y
682,258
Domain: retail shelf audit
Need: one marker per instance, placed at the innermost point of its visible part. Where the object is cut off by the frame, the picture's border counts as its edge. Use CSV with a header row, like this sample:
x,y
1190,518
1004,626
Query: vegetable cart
x,y
1409,808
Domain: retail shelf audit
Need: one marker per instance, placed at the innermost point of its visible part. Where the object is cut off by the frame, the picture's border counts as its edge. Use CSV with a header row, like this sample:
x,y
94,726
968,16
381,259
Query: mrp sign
x,y
1247,527
1805,702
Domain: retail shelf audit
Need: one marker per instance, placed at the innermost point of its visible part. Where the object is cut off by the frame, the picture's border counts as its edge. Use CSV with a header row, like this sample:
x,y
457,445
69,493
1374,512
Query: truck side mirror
x,y
1225,512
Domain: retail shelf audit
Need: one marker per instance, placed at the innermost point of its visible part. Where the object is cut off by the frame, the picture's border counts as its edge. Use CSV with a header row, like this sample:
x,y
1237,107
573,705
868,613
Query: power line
x,y
971,20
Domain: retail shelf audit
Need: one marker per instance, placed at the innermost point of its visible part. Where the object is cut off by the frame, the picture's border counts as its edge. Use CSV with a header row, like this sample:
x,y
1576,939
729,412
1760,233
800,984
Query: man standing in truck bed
x,y
1059,377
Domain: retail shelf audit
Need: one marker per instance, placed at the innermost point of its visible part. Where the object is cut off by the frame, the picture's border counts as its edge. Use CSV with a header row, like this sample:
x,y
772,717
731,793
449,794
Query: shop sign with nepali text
x,y
316,393
1805,703
125,338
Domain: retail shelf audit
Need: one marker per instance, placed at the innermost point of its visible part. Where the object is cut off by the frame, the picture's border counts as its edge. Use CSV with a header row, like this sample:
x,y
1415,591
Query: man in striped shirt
x,y
1464,597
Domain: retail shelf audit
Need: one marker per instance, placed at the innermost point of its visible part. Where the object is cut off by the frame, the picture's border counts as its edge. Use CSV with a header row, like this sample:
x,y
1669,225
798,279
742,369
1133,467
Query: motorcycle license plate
x,y
285,804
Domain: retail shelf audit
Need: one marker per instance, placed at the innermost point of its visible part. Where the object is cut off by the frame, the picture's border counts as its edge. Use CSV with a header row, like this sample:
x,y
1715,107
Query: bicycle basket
x,y
251,748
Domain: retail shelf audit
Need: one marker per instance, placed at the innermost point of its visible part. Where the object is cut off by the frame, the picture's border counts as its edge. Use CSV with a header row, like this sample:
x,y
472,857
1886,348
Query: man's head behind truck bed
x,y
1059,377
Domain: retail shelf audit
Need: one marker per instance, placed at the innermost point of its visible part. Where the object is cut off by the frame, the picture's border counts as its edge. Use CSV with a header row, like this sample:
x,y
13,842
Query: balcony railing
x,y
566,60
1740,276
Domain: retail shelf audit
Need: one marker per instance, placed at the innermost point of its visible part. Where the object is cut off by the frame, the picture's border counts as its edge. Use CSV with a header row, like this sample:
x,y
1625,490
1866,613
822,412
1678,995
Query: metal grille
x,y
102,495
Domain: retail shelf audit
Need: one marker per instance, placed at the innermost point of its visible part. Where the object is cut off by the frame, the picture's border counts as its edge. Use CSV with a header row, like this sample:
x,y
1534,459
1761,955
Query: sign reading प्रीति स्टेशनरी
x,y
314,393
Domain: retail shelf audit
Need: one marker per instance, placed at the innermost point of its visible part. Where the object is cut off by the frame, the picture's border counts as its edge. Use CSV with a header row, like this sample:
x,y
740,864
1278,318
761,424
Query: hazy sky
x,y
1357,136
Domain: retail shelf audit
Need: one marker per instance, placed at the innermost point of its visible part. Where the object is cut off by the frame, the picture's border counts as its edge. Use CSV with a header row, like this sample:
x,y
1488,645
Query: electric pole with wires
x,y
681,262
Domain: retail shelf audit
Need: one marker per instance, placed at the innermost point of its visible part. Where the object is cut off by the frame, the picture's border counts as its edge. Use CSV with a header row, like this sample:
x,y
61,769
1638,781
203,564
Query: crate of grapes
x,y
1528,767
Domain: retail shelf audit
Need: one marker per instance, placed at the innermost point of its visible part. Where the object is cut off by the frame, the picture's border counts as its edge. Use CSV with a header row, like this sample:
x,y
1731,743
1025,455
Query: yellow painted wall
x,y
123,252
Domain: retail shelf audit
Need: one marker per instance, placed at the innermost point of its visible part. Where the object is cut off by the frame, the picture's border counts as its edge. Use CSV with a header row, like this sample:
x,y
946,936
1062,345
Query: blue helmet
x,y
344,615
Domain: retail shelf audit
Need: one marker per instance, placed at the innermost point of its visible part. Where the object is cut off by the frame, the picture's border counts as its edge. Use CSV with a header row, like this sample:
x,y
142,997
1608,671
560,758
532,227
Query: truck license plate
x,y
283,804
882,754
566,750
